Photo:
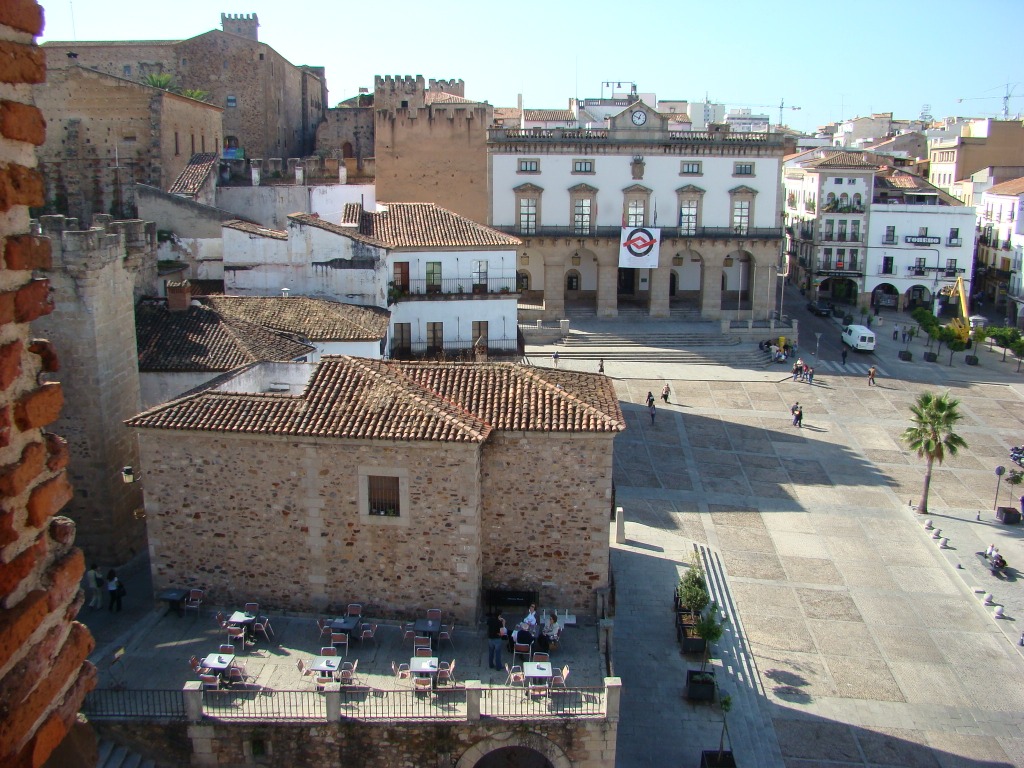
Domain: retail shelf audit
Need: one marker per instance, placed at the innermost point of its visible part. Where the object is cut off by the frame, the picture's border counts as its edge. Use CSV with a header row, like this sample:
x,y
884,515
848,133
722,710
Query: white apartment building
x,y
449,282
997,270
639,214
860,234
745,121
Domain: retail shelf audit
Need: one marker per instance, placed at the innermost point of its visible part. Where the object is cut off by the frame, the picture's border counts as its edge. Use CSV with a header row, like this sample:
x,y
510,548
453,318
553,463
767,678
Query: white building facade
x,y
998,253
707,201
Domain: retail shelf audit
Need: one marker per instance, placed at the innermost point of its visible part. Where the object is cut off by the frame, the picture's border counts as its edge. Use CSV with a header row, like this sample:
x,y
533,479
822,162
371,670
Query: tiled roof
x,y
1011,187
313,319
255,229
551,115
314,220
421,225
350,397
200,339
841,160
205,287
195,174
508,113
440,97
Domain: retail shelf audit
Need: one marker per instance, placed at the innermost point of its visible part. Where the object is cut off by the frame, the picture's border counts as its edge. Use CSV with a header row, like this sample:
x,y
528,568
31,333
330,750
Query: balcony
x,y
841,237
450,350
451,288
954,242
837,208
890,240
667,233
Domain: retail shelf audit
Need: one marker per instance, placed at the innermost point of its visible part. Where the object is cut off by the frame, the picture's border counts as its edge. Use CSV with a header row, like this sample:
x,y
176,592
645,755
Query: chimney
x,y
179,296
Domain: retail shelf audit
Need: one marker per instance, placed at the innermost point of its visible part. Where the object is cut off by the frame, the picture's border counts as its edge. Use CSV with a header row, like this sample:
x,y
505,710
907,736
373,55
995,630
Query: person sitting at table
x,y
549,633
531,620
521,634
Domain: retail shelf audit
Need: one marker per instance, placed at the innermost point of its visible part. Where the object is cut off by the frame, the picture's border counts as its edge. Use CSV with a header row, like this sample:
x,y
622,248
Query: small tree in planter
x,y
955,344
723,758
700,683
691,599
1018,350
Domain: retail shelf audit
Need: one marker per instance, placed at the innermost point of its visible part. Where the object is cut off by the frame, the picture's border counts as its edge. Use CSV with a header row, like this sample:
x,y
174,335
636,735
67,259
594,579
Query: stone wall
x,y
289,510
568,742
348,125
436,153
44,674
546,510
93,279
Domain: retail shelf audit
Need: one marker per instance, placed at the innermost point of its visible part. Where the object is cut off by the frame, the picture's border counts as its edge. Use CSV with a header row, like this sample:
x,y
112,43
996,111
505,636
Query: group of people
x,y
779,354
995,560
649,400
96,584
529,631
802,371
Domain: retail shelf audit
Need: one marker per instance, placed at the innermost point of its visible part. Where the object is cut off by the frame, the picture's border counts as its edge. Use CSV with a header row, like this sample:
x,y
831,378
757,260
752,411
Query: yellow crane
x,y
961,325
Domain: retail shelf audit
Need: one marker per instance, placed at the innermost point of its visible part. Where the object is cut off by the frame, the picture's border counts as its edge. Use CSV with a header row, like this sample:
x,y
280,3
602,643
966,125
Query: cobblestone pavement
x,y
854,638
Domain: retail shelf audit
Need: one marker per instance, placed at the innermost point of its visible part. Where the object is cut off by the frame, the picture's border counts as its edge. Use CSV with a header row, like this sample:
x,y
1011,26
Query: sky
x,y
834,61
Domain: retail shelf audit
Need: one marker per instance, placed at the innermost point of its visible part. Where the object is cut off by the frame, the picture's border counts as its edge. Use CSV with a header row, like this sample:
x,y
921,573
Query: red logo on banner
x,y
640,242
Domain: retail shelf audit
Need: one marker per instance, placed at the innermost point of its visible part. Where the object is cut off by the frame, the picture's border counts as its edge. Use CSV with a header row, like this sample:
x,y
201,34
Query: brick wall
x,y
43,669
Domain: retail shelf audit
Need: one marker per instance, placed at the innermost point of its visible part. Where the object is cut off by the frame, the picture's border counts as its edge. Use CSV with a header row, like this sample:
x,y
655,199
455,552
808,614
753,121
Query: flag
x,y
655,211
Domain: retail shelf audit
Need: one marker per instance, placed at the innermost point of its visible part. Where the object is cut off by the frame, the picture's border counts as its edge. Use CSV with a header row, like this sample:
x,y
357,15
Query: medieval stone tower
x,y
94,278
430,144
241,24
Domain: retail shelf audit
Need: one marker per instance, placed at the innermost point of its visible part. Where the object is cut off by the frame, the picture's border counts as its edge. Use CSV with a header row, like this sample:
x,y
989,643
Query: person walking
x,y
845,352
600,365
496,635
94,586
554,358
871,376
651,409
904,334
115,591
797,367
810,376
649,400
664,392
895,333
798,414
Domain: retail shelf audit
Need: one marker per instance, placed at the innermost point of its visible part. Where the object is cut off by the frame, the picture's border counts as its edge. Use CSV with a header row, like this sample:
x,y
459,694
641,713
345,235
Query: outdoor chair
x,y
537,690
302,668
340,641
347,673
446,672
434,614
252,609
322,680
226,648
541,656
355,609
423,653
421,641
328,650
324,626
236,633
401,671
262,627
409,628
194,600
422,685
446,634
515,675
369,630
220,619
521,649
558,679
210,682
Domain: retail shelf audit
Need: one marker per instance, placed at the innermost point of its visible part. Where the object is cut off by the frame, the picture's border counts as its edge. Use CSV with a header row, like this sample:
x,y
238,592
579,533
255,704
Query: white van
x,y
859,337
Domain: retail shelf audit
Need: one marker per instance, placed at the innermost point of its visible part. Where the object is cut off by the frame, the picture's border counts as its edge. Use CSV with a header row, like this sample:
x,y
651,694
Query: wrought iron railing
x,y
264,704
467,286
120,704
513,702
442,703
454,349
707,233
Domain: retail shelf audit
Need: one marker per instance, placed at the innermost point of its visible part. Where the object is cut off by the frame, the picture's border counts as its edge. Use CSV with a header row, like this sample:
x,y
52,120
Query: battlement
x,y
241,24
403,83
87,249
453,86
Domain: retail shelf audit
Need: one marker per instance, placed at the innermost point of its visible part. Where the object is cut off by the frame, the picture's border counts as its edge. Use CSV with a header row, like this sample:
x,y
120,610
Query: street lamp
x,y
1000,471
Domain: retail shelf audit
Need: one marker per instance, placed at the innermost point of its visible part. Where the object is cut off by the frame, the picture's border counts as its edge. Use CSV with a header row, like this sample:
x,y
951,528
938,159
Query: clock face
x,y
639,117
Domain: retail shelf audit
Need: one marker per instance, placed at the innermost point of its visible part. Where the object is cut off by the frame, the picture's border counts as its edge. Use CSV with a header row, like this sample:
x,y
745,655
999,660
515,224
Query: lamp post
x,y
1000,471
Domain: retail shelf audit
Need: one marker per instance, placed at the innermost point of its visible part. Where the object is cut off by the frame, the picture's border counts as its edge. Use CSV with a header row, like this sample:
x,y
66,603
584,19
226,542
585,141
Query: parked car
x,y
820,307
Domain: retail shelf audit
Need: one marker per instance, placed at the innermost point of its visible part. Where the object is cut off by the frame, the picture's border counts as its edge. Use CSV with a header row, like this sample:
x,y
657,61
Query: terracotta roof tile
x,y
841,160
421,225
507,113
255,229
440,97
349,397
200,339
1011,187
308,318
194,175
551,115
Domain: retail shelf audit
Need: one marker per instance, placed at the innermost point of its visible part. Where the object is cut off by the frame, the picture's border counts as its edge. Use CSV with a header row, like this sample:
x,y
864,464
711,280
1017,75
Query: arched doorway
x,y
737,269
885,296
687,277
838,290
522,281
918,296
572,284
346,150
514,757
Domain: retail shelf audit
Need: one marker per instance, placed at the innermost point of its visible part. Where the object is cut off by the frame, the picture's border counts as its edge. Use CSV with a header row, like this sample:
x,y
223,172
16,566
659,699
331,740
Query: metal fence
x,y
512,703
264,704
403,704
115,704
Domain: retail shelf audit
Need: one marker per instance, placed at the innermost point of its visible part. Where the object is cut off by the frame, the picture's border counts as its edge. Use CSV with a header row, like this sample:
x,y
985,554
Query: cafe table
x,y
423,665
429,627
537,669
346,624
218,662
326,664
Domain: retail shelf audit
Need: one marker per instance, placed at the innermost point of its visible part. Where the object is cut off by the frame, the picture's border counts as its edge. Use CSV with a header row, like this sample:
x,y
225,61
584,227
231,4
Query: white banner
x,y
639,247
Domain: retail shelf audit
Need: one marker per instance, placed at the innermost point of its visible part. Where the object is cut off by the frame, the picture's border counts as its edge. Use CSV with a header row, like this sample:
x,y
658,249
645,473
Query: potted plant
x,y
700,683
722,757
691,599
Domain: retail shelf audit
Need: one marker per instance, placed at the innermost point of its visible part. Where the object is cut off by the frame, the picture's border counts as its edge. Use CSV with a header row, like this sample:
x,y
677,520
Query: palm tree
x,y
931,434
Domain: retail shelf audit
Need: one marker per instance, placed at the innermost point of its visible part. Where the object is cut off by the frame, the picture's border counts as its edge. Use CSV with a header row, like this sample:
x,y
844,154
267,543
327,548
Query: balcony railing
x,y
450,286
459,349
707,233
837,208
890,240
501,134
108,704
954,242
841,237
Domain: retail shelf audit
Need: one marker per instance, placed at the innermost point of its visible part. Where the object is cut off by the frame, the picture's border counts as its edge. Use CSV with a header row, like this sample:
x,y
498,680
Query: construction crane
x,y
781,106
957,295
1007,95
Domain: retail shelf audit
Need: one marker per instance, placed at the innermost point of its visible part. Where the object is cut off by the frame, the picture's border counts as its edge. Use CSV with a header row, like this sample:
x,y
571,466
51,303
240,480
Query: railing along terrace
x,y
454,286
601,134
120,704
264,704
518,703
403,704
707,233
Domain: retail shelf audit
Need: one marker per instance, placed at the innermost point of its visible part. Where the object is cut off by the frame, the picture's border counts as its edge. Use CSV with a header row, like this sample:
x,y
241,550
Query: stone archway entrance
x,y
514,757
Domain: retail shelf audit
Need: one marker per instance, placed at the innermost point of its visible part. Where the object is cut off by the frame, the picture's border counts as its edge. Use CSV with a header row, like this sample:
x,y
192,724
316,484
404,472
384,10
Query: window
x,y
841,258
826,259
954,236
529,166
581,215
261,57
855,231
479,277
401,341
851,181
829,233
127,70
854,253
690,169
741,216
636,213
202,143
177,147
193,143
839,181
528,215
480,331
888,267
842,230
232,102
383,496
922,231
743,169
401,275
688,217
582,166
572,281
890,235
950,267
435,338
433,277
919,266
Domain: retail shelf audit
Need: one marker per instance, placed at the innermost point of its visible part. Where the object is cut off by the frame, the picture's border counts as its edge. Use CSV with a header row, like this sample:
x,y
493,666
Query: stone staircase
x,y
638,314
693,348
113,755
752,734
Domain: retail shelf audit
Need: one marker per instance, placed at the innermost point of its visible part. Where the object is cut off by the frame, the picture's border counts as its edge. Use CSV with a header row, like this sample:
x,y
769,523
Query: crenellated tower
x,y
241,24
